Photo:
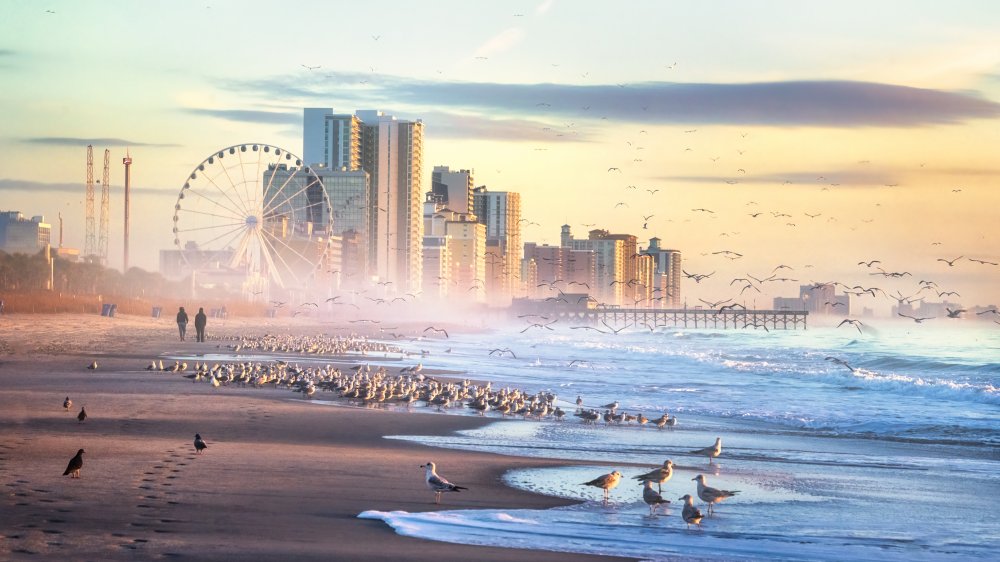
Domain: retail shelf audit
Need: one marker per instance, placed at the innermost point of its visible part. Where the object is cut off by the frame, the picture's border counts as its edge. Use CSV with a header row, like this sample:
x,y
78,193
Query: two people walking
x,y
200,321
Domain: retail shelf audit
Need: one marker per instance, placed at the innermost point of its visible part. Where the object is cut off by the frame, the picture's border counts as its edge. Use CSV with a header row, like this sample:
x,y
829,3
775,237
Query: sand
x,y
281,478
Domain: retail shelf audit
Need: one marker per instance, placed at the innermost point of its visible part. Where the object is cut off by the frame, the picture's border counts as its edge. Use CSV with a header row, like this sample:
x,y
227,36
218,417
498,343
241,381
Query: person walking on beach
x,y
199,324
182,322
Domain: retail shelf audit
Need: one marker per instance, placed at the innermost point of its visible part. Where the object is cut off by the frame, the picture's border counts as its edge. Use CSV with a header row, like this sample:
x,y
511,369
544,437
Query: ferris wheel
x,y
252,215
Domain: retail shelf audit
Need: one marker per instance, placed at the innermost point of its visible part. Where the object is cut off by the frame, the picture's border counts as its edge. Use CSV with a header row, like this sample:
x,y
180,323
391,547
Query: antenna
x,y
128,166
105,206
90,242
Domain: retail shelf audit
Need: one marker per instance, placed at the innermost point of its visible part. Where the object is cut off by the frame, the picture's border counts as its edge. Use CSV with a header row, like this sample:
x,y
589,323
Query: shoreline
x,y
279,479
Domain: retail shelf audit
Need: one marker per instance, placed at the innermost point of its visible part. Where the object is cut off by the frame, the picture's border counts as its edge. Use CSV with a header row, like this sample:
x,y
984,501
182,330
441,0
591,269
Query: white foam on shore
x,y
627,531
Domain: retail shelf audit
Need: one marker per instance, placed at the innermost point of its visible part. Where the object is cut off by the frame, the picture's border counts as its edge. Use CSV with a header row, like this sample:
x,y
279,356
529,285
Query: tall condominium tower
x,y
391,151
500,211
452,188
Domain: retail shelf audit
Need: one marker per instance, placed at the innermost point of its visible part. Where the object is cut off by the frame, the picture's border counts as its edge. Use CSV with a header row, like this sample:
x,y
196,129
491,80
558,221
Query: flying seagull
x,y
442,330
856,323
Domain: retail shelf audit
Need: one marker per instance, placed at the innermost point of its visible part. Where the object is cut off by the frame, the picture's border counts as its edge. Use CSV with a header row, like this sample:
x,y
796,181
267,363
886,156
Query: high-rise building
x,y
458,242
391,151
331,140
348,193
667,274
21,235
500,211
452,188
609,266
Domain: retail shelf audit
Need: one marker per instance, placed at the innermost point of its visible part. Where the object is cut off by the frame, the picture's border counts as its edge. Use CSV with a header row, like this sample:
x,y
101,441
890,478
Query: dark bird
x,y
990,311
199,443
614,170
951,263
82,415
856,323
957,313
869,263
75,464
984,262
67,403
441,330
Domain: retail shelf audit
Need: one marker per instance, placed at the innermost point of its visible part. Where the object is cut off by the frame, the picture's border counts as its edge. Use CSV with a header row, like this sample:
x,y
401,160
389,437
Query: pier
x,y
653,318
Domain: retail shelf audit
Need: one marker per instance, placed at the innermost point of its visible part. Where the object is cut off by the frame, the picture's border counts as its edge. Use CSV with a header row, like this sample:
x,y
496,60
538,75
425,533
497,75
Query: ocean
x,y
894,458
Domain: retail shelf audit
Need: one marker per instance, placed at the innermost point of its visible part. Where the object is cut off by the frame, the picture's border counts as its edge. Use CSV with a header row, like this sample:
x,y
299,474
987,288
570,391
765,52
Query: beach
x,y
281,478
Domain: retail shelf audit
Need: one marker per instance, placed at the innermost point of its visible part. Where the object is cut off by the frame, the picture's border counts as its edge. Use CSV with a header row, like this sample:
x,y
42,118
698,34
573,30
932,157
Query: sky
x,y
815,135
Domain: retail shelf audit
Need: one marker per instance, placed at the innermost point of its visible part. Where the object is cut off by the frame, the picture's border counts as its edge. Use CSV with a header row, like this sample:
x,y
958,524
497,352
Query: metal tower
x,y
105,207
128,166
90,241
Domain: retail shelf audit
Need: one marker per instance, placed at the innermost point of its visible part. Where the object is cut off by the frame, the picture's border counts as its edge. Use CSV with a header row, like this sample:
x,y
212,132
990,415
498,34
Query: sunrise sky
x,y
875,127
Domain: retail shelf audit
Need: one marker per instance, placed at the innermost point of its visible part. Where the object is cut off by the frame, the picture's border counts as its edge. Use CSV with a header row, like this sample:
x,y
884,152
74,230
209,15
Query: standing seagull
x,y
92,366
199,443
690,514
652,499
75,464
437,484
605,482
67,404
711,495
83,414
659,475
711,452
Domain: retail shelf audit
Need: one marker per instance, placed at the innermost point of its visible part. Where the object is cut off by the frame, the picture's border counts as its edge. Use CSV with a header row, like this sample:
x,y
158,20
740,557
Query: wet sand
x,y
281,478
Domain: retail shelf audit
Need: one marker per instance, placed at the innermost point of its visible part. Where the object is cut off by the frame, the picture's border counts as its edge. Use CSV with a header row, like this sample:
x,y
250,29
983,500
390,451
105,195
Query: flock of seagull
x,y
690,514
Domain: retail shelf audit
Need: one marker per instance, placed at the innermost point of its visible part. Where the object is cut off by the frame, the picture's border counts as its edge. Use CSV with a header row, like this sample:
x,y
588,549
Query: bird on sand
x,y
605,482
75,464
199,443
658,475
67,404
437,484
711,495
711,452
83,414
92,366
652,499
690,514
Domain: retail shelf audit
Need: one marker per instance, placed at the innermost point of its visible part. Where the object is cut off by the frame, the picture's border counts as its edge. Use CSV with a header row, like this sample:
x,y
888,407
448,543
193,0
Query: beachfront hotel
x,y
390,150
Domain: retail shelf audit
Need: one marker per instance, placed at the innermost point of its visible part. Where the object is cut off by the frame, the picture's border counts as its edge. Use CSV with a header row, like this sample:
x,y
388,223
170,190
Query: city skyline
x,y
874,134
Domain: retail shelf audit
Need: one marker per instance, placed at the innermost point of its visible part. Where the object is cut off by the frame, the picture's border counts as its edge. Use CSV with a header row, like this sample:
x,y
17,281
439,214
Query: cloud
x,y
7,184
544,7
796,103
98,141
249,116
840,178
449,125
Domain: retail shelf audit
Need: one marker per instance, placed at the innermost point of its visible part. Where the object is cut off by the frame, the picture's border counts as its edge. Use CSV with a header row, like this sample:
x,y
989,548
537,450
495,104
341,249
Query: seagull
x,y
614,170
429,328
437,484
690,514
658,475
984,262
605,482
309,67
957,313
67,404
951,263
652,499
83,414
92,366
841,362
856,323
711,495
199,443
711,452
915,319
502,351
75,464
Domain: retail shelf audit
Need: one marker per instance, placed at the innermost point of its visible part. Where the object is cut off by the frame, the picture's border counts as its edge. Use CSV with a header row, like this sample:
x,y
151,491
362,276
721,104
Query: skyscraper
x,y
667,274
453,188
500,211
391,151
